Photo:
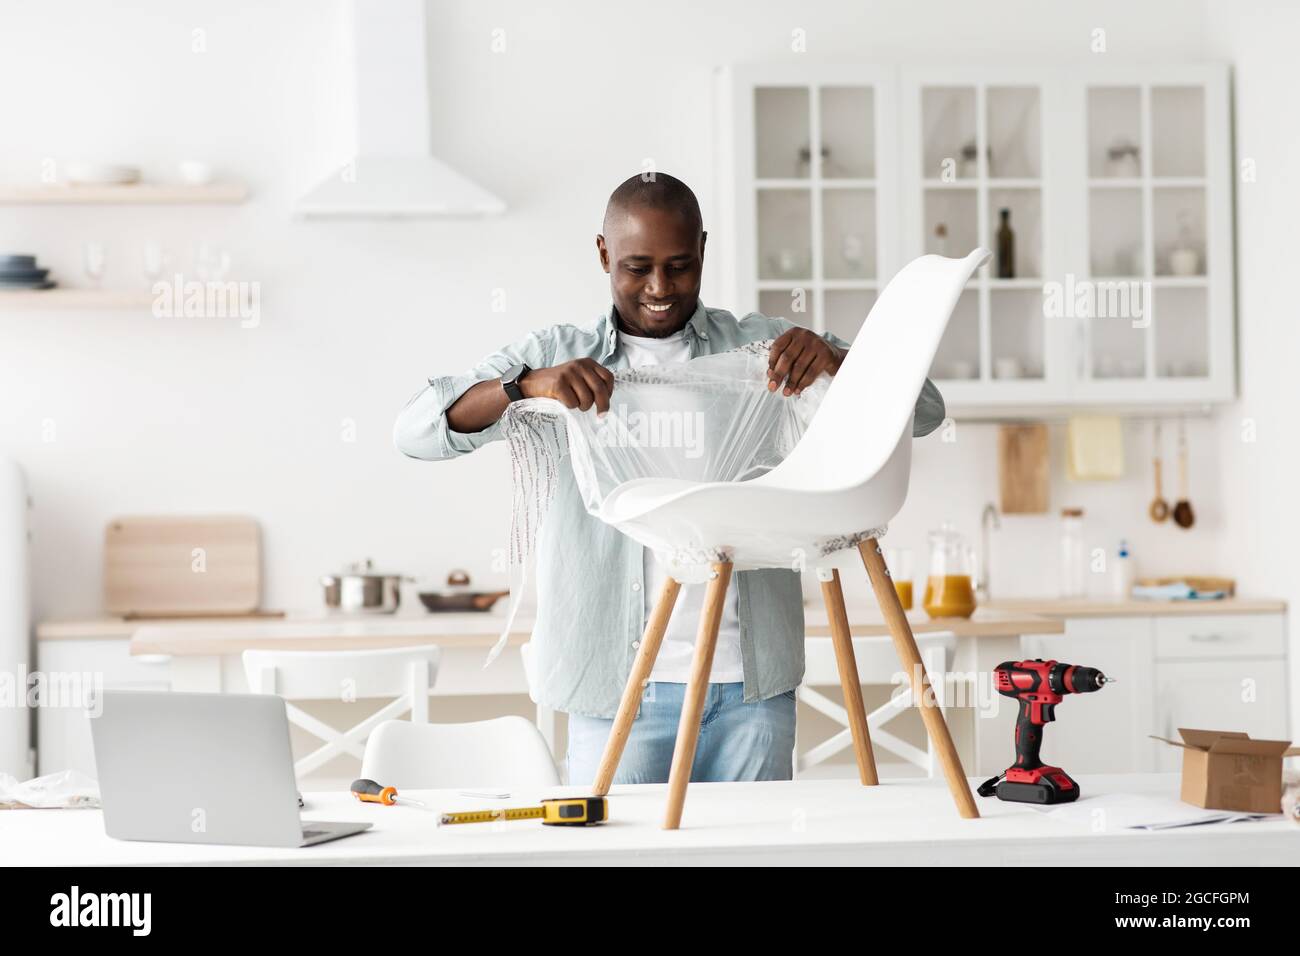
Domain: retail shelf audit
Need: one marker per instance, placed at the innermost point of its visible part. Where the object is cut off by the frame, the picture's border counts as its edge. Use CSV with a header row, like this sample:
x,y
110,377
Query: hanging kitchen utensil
x,y
1183,516
1159,509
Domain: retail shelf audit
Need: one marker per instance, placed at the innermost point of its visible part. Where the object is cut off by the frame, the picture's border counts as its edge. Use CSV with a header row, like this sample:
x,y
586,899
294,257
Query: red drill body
x,y
1038,686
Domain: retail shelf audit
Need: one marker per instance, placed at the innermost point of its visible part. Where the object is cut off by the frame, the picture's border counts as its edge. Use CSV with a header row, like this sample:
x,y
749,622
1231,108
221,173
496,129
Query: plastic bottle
x,y
1123,573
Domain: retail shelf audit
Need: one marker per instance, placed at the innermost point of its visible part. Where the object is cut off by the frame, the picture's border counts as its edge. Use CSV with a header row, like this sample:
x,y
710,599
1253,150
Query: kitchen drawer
x,y
1220,635
110,660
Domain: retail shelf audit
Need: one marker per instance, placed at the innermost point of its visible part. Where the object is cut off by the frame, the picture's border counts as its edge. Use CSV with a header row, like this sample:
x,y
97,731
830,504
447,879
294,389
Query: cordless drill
x,y
1039,685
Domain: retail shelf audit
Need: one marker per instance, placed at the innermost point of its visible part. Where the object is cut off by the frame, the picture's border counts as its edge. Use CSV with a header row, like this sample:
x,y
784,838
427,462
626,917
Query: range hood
x,y
394,174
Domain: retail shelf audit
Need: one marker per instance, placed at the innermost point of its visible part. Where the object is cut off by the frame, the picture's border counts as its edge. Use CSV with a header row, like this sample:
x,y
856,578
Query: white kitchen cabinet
x,y
1208,671
1105,731
1239,695
63,727
1117,184
1219,672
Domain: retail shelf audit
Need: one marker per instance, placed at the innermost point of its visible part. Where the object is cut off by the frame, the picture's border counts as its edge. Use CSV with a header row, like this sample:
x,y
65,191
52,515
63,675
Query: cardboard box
x,y
1227,770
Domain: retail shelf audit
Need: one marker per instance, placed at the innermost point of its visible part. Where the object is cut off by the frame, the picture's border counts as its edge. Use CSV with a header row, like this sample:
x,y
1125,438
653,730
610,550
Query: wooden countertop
x,y
315,632
1102,607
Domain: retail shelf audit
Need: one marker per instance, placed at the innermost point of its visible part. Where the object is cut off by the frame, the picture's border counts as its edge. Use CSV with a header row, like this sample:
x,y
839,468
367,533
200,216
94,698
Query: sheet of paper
x,y
1118,811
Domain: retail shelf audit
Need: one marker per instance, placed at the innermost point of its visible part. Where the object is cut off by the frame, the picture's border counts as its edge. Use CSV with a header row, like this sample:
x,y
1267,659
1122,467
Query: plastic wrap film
x,y
710,419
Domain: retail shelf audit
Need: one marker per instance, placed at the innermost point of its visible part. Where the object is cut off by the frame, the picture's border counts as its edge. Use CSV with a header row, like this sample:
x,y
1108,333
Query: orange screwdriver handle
x,y
367,791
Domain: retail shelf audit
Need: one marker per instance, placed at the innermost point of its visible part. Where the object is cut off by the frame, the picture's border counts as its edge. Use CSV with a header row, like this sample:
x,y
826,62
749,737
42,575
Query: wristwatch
x,y
510,381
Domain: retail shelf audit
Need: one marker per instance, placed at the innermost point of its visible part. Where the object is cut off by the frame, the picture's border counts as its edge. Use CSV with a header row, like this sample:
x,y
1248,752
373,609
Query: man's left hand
x,y
797,357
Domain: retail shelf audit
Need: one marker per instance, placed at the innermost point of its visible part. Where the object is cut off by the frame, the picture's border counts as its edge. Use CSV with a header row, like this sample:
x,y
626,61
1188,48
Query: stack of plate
x,y
20,272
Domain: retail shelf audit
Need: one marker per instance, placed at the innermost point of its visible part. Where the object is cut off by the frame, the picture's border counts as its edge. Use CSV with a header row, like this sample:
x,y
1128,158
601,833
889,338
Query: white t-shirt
x,y
673,665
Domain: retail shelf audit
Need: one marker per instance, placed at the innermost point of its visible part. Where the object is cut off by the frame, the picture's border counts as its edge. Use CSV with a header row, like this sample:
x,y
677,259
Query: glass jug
x,y
948,591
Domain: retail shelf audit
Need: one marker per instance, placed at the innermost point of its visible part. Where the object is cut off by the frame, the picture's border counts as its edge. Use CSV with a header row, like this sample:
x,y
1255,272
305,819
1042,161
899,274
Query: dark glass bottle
x,y
1006,247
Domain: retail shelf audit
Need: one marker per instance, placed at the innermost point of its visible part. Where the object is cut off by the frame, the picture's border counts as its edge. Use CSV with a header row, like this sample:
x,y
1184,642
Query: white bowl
x,y
194,172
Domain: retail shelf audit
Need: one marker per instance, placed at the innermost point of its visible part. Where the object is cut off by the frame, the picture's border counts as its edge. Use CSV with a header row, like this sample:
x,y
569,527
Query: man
x,y
595,585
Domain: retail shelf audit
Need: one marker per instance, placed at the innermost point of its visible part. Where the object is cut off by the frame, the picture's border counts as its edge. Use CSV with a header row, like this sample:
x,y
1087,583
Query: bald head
x,y
657,191
653,249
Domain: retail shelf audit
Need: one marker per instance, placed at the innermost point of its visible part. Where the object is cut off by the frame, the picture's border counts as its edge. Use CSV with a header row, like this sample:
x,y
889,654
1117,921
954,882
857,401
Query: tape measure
x,y
557,812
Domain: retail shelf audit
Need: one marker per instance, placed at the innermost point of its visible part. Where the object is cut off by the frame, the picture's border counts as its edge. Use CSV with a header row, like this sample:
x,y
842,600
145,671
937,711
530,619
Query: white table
x,y
802,822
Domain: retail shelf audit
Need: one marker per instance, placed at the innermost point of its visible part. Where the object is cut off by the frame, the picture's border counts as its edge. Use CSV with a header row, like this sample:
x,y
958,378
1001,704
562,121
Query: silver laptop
x,y
201,768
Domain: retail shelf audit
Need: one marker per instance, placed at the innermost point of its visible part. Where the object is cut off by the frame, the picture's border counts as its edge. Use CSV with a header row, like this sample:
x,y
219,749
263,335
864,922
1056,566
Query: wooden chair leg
x,y
910,658
850,682
697,687
635,687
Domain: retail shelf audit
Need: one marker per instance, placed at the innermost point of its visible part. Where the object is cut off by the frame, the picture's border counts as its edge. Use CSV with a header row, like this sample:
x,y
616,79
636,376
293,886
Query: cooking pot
x,y
360,590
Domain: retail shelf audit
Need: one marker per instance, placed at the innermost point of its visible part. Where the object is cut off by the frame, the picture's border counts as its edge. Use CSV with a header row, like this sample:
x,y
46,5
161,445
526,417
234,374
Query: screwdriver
x,y
367,791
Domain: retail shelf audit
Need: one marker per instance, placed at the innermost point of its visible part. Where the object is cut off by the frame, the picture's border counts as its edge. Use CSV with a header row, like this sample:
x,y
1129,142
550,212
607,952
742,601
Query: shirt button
x,y
636,585
636,644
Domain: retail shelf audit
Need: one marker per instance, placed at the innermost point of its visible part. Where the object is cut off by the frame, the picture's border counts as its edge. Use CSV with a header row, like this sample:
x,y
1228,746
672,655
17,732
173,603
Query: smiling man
x,y
595,586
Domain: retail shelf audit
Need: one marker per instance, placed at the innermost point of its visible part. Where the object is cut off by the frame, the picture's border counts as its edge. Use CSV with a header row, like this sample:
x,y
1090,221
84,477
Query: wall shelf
x,y
175,194
23,300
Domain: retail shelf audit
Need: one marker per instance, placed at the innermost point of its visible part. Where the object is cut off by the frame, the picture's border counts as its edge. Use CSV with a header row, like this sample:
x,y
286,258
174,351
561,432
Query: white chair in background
x,y
506,752
405,674
877,664
844,481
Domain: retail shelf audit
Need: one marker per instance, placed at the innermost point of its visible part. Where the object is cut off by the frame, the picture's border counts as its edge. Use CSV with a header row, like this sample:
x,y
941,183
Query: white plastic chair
x,y
844,481
877,664
507,752
404,673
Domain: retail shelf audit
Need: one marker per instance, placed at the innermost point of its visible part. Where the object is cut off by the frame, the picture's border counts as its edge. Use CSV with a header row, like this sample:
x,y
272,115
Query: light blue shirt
x,y
590,576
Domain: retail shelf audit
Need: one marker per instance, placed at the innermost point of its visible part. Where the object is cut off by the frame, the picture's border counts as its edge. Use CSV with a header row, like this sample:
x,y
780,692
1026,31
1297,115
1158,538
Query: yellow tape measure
x,y
559,812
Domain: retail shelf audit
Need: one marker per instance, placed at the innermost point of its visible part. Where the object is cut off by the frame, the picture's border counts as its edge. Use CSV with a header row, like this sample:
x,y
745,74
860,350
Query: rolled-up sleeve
x,y
930,409
421,430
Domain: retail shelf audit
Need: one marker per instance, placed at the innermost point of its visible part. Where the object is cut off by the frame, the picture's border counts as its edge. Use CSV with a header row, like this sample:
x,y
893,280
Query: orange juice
x,y
904,589
949,595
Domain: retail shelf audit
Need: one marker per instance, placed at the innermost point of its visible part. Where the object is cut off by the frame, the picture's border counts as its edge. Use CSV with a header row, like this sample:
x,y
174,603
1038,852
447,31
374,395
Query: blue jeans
x,y
738,741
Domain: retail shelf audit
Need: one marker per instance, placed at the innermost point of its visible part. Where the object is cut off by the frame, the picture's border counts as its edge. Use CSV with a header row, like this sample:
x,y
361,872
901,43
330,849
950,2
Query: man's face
x,y
655,259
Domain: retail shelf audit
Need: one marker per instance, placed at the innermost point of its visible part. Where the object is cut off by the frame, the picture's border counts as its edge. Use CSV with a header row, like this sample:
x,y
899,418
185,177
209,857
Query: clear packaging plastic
x,y
710,419
68,789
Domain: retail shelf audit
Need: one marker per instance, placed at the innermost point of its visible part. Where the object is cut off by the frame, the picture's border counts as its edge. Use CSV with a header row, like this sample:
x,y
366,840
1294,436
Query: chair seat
x,y
756,524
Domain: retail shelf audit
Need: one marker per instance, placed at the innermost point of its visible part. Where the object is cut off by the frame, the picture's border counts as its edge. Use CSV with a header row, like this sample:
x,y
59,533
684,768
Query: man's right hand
x,y
579,384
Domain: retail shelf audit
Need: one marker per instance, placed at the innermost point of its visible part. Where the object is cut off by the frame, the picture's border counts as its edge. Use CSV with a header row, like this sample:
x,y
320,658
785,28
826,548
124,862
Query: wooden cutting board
x,y
1023,475
182,565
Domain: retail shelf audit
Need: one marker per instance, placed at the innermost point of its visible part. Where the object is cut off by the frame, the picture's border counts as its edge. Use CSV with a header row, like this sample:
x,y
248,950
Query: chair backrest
x,y
875,657
404,674
329,675
869,404
505,752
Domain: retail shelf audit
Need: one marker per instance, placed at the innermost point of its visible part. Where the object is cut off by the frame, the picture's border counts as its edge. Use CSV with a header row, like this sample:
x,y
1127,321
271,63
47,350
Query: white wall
x,y
1258,445
203,416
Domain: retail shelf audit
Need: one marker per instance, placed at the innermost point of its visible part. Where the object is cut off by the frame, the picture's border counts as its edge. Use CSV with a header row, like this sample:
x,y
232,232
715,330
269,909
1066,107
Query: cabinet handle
x,y
1206,638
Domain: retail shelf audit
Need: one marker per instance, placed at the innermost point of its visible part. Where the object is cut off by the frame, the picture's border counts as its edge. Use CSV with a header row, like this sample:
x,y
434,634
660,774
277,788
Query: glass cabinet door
x,y
1147,306
816,217
981,159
